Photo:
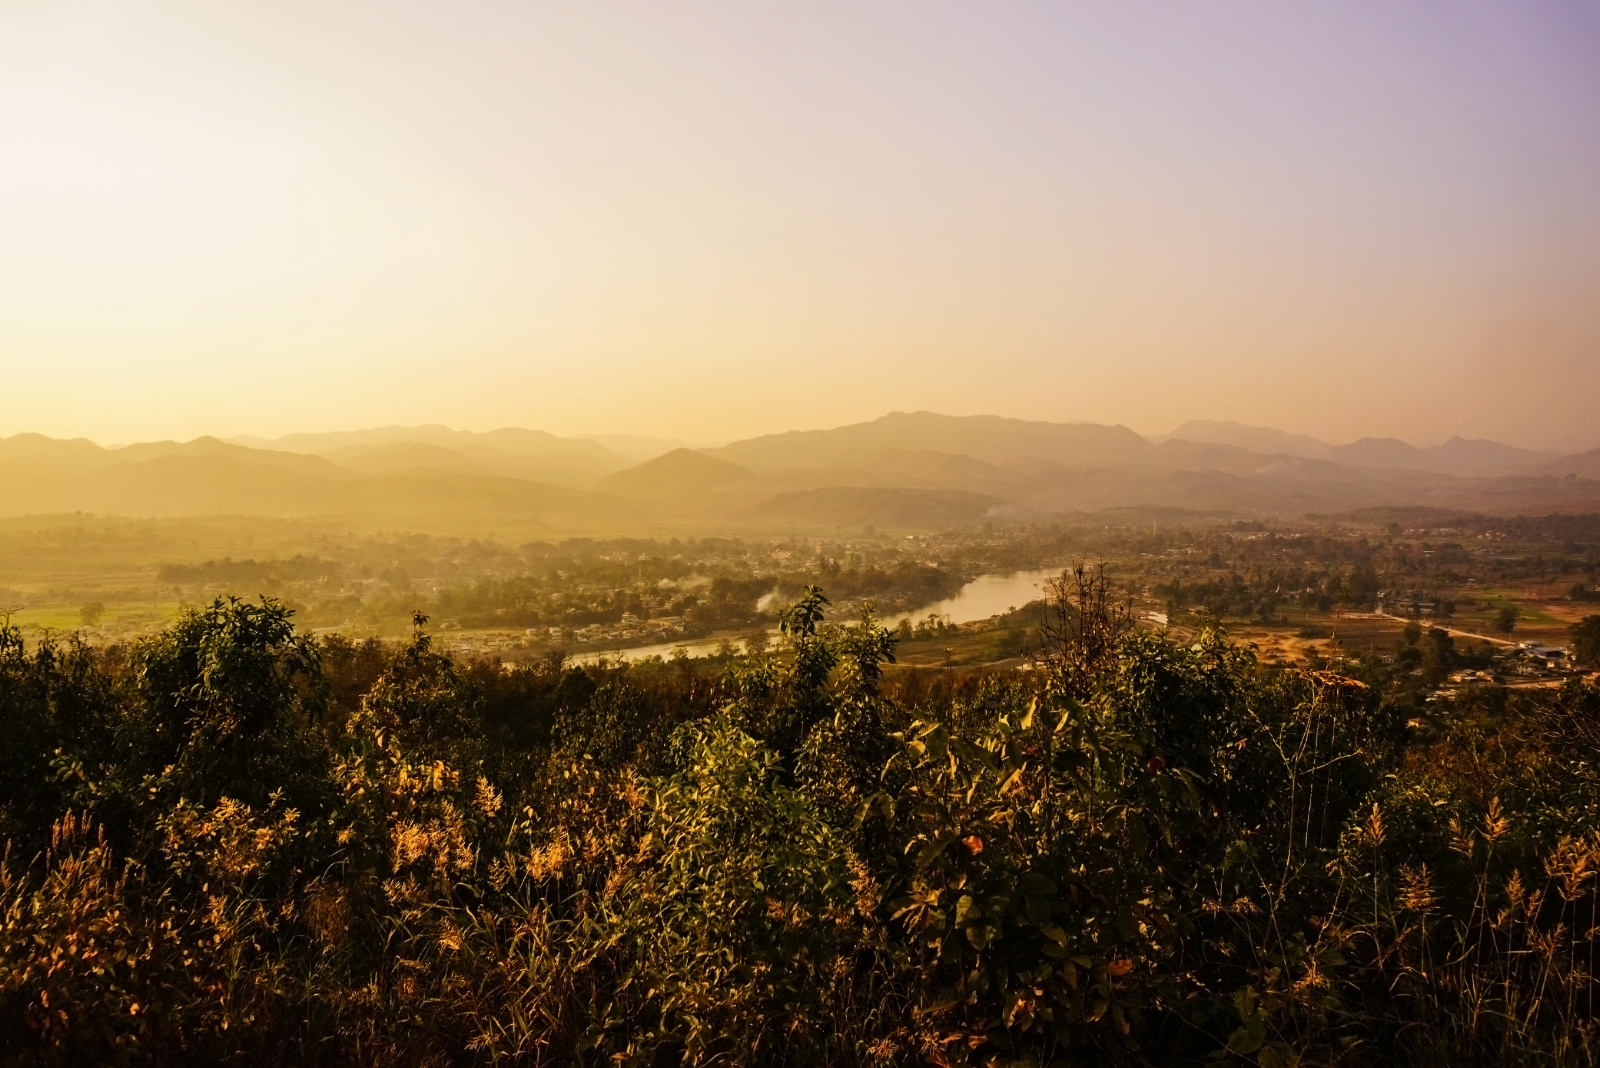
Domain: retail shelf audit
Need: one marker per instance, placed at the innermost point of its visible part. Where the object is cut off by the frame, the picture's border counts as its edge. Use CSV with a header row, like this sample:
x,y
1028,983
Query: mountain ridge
x,y
1456,456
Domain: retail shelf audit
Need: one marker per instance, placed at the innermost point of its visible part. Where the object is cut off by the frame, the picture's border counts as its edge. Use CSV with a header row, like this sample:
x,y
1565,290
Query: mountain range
x,y
903,470
1467,457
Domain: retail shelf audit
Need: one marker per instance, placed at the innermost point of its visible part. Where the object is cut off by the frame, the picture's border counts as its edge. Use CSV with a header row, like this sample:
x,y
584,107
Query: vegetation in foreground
x,y
234,843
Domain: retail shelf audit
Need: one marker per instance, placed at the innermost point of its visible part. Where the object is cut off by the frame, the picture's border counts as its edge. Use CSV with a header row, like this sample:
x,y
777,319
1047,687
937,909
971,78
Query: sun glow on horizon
x,y
284,217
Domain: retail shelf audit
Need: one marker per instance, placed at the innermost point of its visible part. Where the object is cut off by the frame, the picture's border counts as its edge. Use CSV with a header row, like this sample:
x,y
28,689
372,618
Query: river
x,y
984,596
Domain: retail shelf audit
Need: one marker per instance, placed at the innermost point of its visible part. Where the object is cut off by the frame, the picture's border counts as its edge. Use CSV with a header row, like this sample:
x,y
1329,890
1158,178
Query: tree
x,y
91,613
1505,620
1082,625
1438,655
1364,585
225,701
1586,641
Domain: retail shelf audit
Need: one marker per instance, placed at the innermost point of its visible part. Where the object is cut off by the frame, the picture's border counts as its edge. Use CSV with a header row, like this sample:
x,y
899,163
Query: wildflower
x,y
883,1051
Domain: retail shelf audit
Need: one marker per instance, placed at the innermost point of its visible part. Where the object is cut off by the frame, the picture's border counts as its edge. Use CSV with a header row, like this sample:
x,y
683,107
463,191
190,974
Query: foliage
x,y
1586,641
235,844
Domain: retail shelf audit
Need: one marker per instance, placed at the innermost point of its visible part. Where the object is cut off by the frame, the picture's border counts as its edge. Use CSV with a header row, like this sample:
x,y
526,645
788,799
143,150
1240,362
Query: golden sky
x,y
712,220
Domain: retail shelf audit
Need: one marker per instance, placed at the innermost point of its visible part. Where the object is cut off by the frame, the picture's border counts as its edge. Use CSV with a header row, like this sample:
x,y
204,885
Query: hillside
x,y
513,452
679,473
210,477
1262,439
1463,457
204,476
389,458
1475,456
1581,465
636,447
983,437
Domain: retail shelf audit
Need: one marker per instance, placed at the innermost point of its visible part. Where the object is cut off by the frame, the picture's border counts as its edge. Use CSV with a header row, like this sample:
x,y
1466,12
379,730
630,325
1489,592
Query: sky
x,y
712,220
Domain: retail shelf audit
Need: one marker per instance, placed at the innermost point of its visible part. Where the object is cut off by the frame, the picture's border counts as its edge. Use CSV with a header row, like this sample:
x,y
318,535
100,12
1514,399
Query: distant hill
x,y
1262,439
403,456
634,446
1381,452
1177,454
912,470
1466,457
204,482
474,506
209,477
983,437
204,476
513,452
226,454
1581,465
1475,456
680,472
38,448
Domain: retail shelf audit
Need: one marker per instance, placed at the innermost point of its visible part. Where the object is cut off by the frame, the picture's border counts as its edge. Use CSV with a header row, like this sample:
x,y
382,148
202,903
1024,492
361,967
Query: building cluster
x,y
1522,663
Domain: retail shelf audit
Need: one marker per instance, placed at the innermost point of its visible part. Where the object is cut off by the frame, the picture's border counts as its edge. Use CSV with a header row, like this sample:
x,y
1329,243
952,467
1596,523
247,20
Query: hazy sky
x,y
711,220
